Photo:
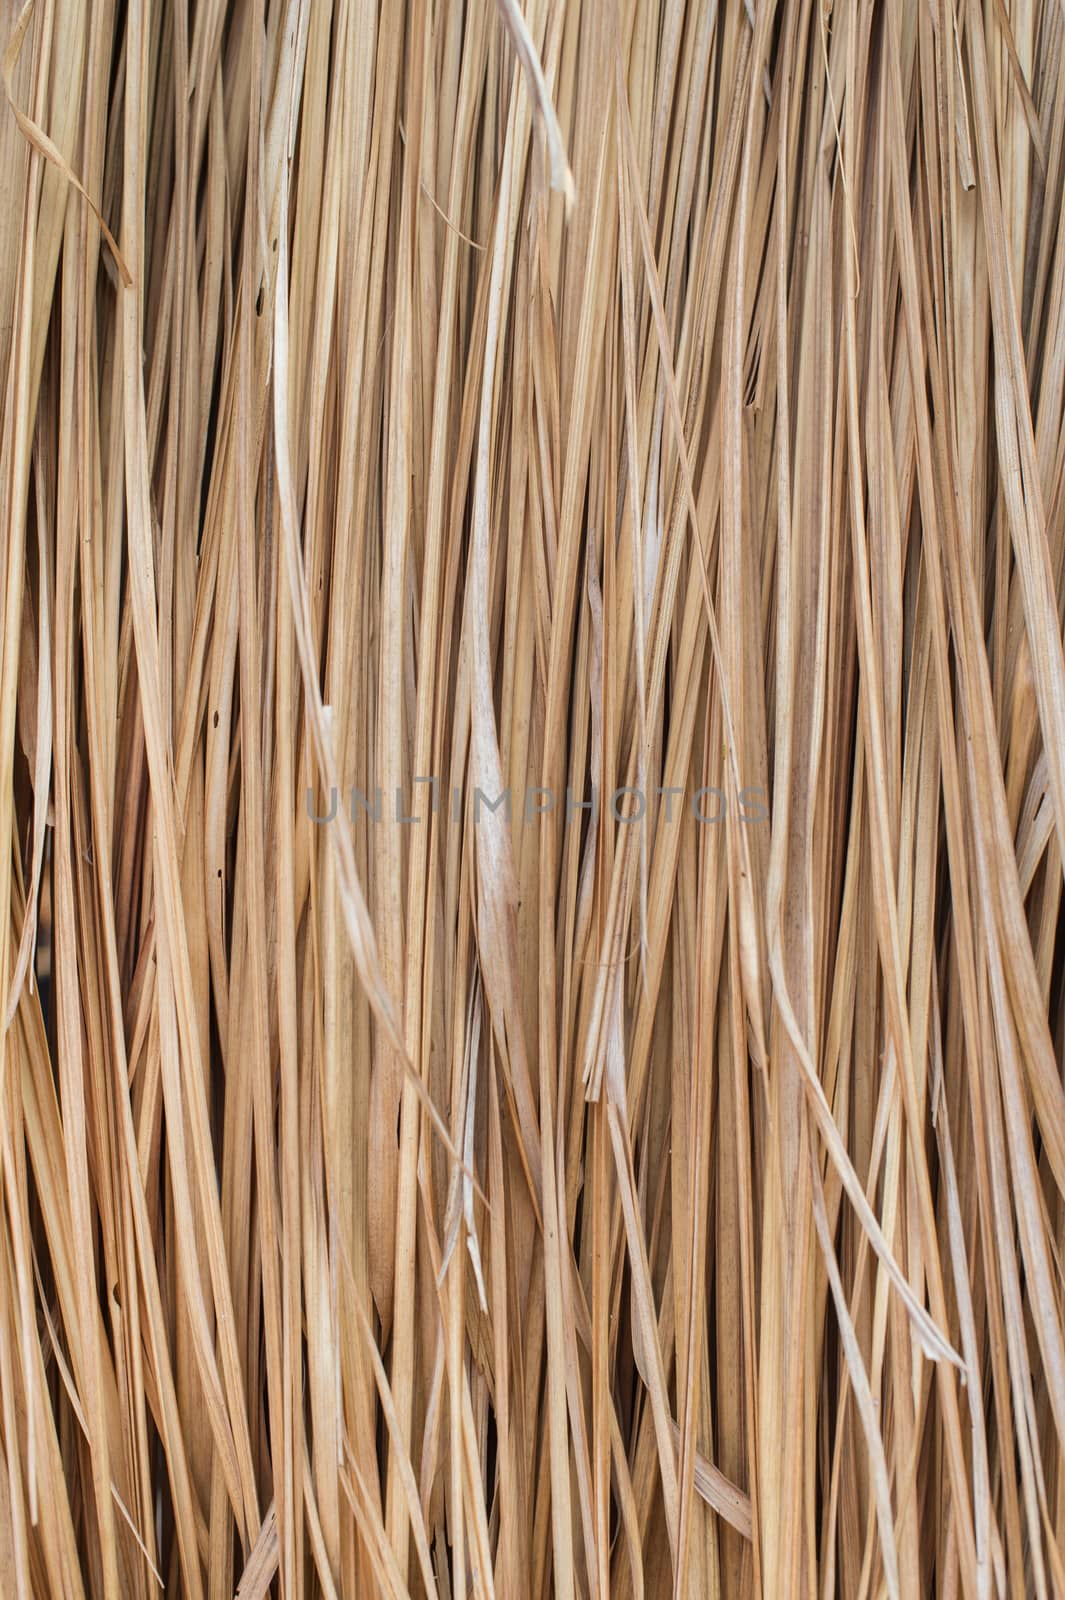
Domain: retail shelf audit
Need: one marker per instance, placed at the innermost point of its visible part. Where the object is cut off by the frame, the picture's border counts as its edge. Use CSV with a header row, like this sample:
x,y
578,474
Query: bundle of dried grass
x,y
532,728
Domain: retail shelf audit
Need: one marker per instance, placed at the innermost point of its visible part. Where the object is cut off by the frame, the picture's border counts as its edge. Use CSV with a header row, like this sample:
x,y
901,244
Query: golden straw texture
x,y
532,758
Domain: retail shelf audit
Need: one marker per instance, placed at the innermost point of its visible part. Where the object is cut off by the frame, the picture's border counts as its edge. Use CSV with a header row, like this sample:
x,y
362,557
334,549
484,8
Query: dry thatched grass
x,y
548,398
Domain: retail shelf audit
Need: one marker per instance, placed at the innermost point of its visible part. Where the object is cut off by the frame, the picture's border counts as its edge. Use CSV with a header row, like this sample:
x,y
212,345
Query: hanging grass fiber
x,y
532,790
